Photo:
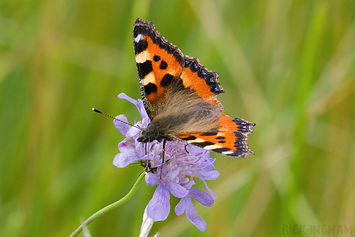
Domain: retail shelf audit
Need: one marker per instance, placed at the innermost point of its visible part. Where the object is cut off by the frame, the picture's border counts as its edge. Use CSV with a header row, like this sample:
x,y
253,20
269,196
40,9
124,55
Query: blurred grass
x,y
289,66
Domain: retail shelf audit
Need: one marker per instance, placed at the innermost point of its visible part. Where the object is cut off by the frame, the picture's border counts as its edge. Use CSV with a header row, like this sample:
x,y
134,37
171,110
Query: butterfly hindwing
x,y
229,139
159,63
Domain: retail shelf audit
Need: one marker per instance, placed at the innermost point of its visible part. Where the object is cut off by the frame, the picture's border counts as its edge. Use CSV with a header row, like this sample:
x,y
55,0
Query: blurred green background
x,y
288,66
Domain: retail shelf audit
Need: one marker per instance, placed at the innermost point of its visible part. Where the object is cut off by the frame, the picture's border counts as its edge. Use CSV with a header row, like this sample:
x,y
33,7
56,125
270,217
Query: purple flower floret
x,y
182,165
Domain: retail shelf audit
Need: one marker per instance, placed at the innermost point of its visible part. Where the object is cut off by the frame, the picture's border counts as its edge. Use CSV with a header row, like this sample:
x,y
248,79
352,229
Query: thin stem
x,y
110,207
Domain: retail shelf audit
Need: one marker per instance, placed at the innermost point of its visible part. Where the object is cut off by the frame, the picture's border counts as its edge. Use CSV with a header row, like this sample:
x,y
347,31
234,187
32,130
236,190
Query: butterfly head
x,y
154,132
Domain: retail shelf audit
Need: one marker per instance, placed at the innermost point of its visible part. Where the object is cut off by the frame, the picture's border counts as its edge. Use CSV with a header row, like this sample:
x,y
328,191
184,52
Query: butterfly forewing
x,y
202,80
159,63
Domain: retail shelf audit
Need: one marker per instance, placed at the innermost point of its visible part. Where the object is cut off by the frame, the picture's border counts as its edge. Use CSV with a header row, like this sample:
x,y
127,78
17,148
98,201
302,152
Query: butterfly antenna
x,y
98,111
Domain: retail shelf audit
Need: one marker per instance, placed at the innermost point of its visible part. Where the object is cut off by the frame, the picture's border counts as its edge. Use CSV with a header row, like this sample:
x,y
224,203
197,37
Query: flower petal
x,y
213,195
158,207
172,174
123,146
139,104
140,148
121,123
180,207
187,184
193,217
177,190
132,133
123,159
210,175
201,196
152,179
145,122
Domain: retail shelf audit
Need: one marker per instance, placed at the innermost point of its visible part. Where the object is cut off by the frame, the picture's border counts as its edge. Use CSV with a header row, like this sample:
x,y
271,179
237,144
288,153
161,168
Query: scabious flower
x,y
183,164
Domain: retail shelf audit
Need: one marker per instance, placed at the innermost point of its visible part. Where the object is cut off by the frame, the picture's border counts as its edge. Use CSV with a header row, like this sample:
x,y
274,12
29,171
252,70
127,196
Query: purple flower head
x,y
182,165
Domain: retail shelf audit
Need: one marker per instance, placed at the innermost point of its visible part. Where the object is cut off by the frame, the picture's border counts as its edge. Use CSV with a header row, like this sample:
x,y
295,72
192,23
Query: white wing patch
x,y
138,38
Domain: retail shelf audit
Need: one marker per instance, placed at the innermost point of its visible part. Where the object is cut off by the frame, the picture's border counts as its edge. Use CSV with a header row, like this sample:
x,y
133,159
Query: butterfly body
x,y
179,95
183,112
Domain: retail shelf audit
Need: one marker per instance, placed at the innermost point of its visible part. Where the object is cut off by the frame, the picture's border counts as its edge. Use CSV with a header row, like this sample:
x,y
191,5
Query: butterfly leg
x,y
146,152
186,149
163,156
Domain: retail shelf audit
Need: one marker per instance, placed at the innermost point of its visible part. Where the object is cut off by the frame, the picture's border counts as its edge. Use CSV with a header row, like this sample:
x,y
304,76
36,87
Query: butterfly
x,y
179,95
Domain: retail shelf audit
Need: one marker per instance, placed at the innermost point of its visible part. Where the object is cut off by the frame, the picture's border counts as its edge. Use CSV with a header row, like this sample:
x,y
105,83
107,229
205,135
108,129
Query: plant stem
x,y
110,207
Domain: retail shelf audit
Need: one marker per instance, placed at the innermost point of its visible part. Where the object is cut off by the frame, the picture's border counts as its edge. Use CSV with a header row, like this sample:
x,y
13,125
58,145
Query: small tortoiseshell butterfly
x,y
179,95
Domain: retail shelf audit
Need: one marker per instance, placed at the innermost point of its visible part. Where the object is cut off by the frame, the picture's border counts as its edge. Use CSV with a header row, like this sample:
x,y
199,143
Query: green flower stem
x,y
110,207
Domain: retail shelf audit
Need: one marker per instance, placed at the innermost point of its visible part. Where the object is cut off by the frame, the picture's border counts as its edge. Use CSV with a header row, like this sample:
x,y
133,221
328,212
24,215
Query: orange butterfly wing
x,y
163,69
159,63
229,139
202,80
